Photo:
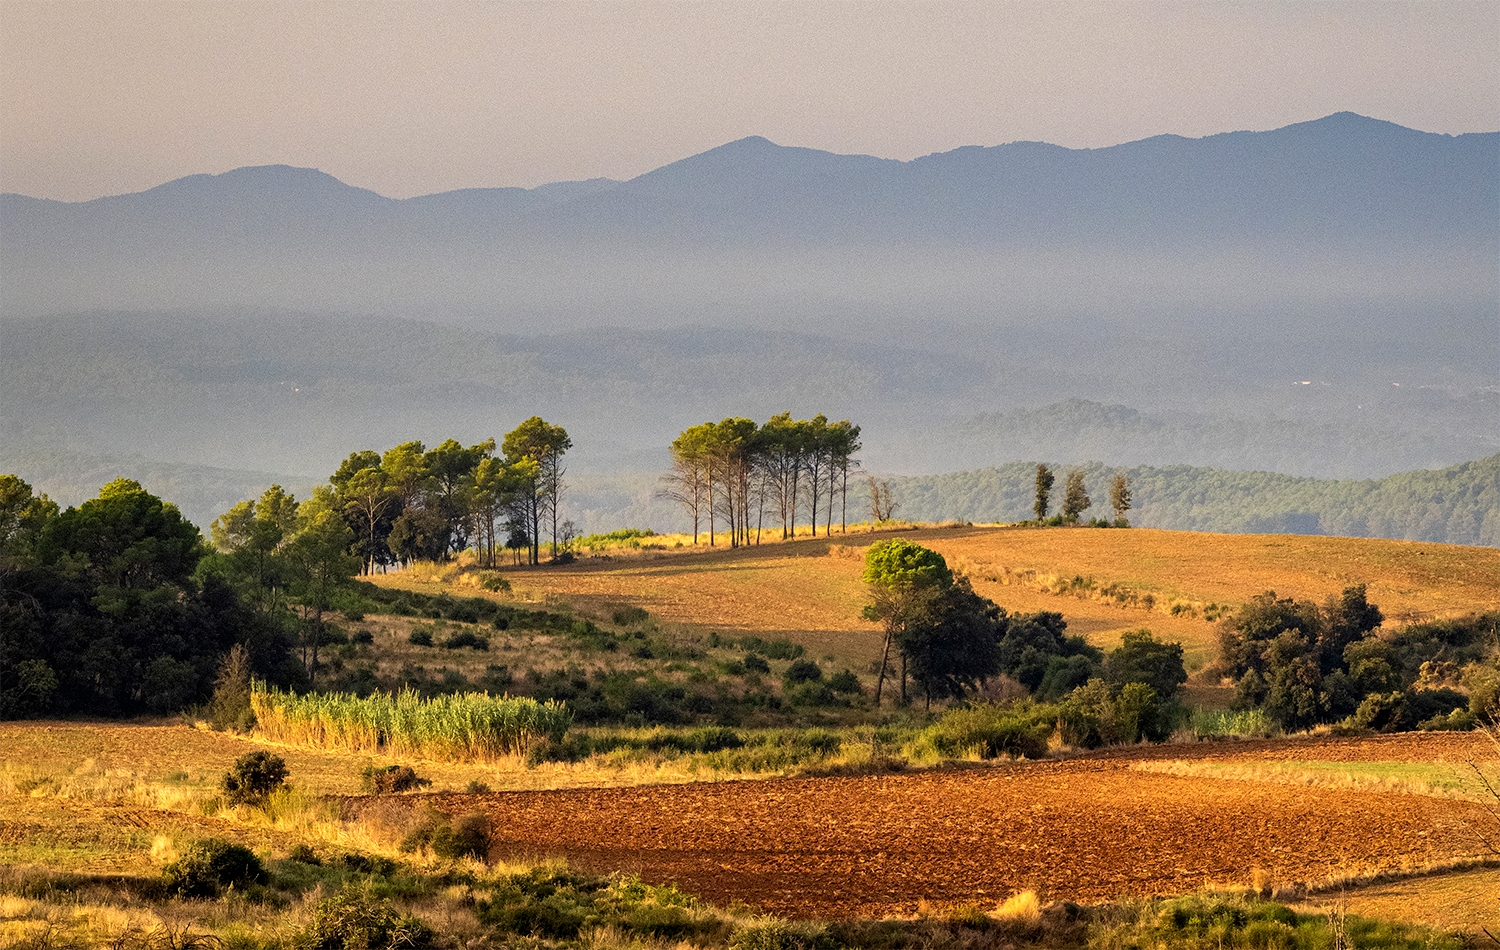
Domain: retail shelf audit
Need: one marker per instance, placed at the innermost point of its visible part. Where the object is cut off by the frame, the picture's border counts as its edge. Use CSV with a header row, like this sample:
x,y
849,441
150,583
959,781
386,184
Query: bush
x,y
391,779
629,616
802,671
209,866
468,837
362,637
466,639
420,638
775,649
845,682
992,731
355,919
756,663
496,583
812,694
230,707
254,776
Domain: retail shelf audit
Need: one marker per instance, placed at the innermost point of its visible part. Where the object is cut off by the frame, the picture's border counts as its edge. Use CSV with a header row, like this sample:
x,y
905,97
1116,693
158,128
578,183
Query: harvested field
x,y
1086,829
809,589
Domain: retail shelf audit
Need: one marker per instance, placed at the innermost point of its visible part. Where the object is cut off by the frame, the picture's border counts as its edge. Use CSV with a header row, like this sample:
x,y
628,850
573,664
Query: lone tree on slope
x,y
1119,497
1044,480
1075,496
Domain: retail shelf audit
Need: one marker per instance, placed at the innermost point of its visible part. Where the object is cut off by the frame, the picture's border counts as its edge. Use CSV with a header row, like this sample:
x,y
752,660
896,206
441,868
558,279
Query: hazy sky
x,y
411,98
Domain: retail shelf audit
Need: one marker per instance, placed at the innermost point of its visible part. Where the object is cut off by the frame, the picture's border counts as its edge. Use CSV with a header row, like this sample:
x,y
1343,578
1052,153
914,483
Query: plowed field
x,y
1086,829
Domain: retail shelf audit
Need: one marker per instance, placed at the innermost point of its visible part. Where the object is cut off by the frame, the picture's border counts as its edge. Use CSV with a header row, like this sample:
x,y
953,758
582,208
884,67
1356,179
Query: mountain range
x,y
1317,300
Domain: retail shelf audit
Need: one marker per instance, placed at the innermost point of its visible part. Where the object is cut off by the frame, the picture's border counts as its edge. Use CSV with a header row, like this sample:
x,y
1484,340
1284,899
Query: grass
x,y
1439,779
341,900
809,590
460,727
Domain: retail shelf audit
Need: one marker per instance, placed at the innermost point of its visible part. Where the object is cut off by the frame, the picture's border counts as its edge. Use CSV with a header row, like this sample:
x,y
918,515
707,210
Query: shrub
x,y
391,779
496,583
771,934
629,616
209,866
992,731
362,637
304,854
812,694
254,776
466,639
231,702
845,682
775,649
468,837
756,663
802,671
355,919
420,638
476,787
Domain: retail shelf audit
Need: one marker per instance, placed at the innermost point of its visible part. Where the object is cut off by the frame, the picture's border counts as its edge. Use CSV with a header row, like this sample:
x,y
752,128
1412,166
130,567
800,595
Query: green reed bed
x,y
460,727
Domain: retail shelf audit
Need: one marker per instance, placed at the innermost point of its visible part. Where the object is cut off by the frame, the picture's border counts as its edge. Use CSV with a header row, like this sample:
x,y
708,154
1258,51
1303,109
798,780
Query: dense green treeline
x,y
115,607
1457,505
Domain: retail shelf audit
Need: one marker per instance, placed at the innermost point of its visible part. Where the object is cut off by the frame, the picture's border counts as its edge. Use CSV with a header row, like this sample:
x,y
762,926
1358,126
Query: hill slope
x,y
1457,505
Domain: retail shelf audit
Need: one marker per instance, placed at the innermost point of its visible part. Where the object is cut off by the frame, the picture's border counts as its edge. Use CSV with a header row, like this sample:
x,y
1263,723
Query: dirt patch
x,y
1088,829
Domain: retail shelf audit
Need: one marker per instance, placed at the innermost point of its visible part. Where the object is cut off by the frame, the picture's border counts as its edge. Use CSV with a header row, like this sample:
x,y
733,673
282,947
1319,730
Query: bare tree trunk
x,y
885,656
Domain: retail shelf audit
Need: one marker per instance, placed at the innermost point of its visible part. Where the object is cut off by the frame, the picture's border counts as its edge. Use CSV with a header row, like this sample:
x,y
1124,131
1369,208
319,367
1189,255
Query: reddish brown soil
x,y
1086,829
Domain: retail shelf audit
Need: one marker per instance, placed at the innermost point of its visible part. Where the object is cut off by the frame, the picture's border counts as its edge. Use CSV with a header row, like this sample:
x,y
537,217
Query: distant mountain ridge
x,y
1320,299
289,237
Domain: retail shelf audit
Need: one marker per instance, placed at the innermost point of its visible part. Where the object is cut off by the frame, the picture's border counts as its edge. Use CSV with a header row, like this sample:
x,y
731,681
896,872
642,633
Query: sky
x,y
411,98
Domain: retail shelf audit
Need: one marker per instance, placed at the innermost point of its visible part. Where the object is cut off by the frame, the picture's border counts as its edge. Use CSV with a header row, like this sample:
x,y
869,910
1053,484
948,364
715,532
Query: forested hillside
x,y
1457,505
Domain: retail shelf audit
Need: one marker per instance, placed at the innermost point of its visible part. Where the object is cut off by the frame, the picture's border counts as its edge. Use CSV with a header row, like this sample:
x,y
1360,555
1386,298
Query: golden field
x,y
809,589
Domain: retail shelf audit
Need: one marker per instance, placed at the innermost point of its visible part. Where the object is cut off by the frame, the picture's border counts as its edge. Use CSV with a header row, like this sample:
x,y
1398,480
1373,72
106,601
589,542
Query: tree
x,y
843,442
883,503
1141,658
1075,497
1119,497
104,608
1044,480
904,580
687,482
251,536
450,468
321,562
367,501
544,444
496,487
957,647
405,469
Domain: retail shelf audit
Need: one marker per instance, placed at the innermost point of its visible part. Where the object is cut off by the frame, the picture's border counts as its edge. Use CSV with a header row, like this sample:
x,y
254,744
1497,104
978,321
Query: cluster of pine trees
x,y
412,503
733,472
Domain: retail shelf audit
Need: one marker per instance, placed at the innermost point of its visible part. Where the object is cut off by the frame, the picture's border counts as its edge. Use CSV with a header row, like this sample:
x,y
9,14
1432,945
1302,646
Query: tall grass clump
x,y
987,731
1244,724
459,727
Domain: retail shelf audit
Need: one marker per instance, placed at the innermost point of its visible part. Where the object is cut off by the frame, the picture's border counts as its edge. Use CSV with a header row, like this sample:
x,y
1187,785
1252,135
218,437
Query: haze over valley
x,y
1316,300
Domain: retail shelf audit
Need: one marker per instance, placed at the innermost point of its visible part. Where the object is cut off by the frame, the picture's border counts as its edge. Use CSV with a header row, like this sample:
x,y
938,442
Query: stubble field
x,y
809,590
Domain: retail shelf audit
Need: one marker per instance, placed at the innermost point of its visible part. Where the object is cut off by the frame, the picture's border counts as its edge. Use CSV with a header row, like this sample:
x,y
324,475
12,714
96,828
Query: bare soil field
x,y
1086,829
809,590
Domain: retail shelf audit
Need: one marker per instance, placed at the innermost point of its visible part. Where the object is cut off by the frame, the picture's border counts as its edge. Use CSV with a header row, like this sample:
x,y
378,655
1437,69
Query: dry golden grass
x,y
809,589
1461,901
